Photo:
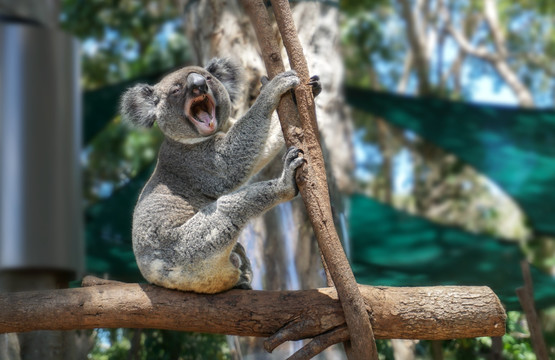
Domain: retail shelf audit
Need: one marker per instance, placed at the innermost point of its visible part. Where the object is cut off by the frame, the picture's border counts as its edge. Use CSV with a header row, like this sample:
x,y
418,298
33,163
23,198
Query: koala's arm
x,y
246,143
275,141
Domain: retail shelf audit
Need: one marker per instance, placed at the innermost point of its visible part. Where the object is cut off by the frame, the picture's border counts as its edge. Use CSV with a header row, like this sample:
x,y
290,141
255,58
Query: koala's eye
x,y
175,89
208,78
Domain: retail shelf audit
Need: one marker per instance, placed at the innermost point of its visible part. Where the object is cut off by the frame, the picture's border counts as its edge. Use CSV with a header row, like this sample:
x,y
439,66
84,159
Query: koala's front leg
x,y
245,141
254,199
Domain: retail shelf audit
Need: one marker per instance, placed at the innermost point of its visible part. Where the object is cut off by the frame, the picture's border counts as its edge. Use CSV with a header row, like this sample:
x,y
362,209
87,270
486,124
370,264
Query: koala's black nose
x,y
197,84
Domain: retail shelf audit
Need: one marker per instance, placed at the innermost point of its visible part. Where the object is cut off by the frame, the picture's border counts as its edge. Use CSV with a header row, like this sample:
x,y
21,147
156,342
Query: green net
x,y
108,232
101,105
514,147
393,248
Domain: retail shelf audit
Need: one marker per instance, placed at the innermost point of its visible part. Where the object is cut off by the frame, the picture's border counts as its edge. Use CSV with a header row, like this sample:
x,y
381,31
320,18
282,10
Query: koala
x,y
189,214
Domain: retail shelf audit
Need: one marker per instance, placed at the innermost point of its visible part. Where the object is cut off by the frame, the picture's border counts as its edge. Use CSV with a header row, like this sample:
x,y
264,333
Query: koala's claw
x,y
291,155
316,85
292,161
243,286
314,81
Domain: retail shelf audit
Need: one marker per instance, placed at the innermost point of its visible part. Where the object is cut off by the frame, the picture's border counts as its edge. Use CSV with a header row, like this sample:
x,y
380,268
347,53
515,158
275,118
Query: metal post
x,y
41,243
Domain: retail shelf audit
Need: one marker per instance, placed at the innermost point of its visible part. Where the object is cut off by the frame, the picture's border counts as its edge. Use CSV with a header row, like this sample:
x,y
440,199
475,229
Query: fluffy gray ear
x,y
138,105
230,75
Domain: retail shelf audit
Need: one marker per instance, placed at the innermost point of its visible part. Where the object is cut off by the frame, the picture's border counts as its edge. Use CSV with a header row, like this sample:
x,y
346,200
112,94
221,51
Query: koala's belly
x,y
209,275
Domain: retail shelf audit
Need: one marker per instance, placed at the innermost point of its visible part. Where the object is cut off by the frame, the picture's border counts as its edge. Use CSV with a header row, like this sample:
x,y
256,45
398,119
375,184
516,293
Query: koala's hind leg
x,y
239,259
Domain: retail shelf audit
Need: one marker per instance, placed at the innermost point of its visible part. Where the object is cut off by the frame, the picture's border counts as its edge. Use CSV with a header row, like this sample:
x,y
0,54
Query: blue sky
x,y
486,92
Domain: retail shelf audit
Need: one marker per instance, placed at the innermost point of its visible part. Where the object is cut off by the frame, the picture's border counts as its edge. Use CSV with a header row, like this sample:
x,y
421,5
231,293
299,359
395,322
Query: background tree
x,y
447,49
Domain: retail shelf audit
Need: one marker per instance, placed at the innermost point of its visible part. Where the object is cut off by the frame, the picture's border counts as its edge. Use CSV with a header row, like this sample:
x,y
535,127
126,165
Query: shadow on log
x,y
431,313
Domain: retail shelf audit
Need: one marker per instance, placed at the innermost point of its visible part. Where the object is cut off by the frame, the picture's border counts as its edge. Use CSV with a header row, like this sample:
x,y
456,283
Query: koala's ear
x,y
138,105
230,75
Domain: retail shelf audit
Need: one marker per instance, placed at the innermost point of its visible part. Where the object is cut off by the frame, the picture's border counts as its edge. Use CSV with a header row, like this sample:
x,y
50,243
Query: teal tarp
x,y
101,105
393,248
514,147
108,232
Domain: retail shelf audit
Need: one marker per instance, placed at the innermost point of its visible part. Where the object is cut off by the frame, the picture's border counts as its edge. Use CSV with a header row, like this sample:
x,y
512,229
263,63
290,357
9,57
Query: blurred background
x,y
437,120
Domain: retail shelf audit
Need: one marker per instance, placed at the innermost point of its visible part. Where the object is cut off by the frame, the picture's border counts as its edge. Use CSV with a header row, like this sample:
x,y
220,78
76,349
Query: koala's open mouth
x,y
201,111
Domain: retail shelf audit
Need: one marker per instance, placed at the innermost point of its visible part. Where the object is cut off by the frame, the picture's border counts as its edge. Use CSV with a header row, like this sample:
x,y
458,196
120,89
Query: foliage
x,y
376,42
377,49
116,155
190,346
121,40
124,344
125,38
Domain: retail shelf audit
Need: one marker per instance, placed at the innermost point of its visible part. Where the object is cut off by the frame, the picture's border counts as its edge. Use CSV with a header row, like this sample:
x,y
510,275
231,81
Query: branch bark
x,y
300,129
406,313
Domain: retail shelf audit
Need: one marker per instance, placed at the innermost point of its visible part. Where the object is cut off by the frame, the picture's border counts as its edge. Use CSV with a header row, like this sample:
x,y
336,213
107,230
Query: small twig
x,y
321,343
290,332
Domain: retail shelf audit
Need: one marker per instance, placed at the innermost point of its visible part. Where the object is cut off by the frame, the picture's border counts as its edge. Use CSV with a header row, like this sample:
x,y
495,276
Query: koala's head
x,y
189,103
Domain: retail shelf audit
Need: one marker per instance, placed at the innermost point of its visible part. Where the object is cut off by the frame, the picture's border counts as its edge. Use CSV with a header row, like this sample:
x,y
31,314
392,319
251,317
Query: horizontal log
x,y
433,313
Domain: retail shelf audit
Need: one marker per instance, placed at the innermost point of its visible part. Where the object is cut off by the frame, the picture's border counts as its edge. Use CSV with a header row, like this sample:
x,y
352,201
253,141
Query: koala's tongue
x,y
202,112
206,119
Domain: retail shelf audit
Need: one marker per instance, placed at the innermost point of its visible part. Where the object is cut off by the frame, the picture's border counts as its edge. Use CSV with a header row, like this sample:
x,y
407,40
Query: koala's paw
x,y
292,161
241,261
283,82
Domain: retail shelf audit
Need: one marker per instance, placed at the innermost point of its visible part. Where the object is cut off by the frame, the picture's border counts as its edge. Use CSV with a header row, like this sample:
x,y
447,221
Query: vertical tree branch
x,y
492,19
407,69
312,179
417,40
526,298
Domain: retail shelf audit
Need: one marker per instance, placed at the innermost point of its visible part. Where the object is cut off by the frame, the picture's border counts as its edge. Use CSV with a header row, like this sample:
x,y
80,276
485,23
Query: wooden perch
x,y
431,313
300,129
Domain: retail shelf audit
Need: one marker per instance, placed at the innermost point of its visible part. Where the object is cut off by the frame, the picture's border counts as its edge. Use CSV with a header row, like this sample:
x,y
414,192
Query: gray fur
x,y
138,105
189,214
229,74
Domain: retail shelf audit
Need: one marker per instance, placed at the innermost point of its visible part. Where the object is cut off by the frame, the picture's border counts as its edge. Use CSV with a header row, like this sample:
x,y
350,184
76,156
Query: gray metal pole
x,y
44,12
40,132
41,243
